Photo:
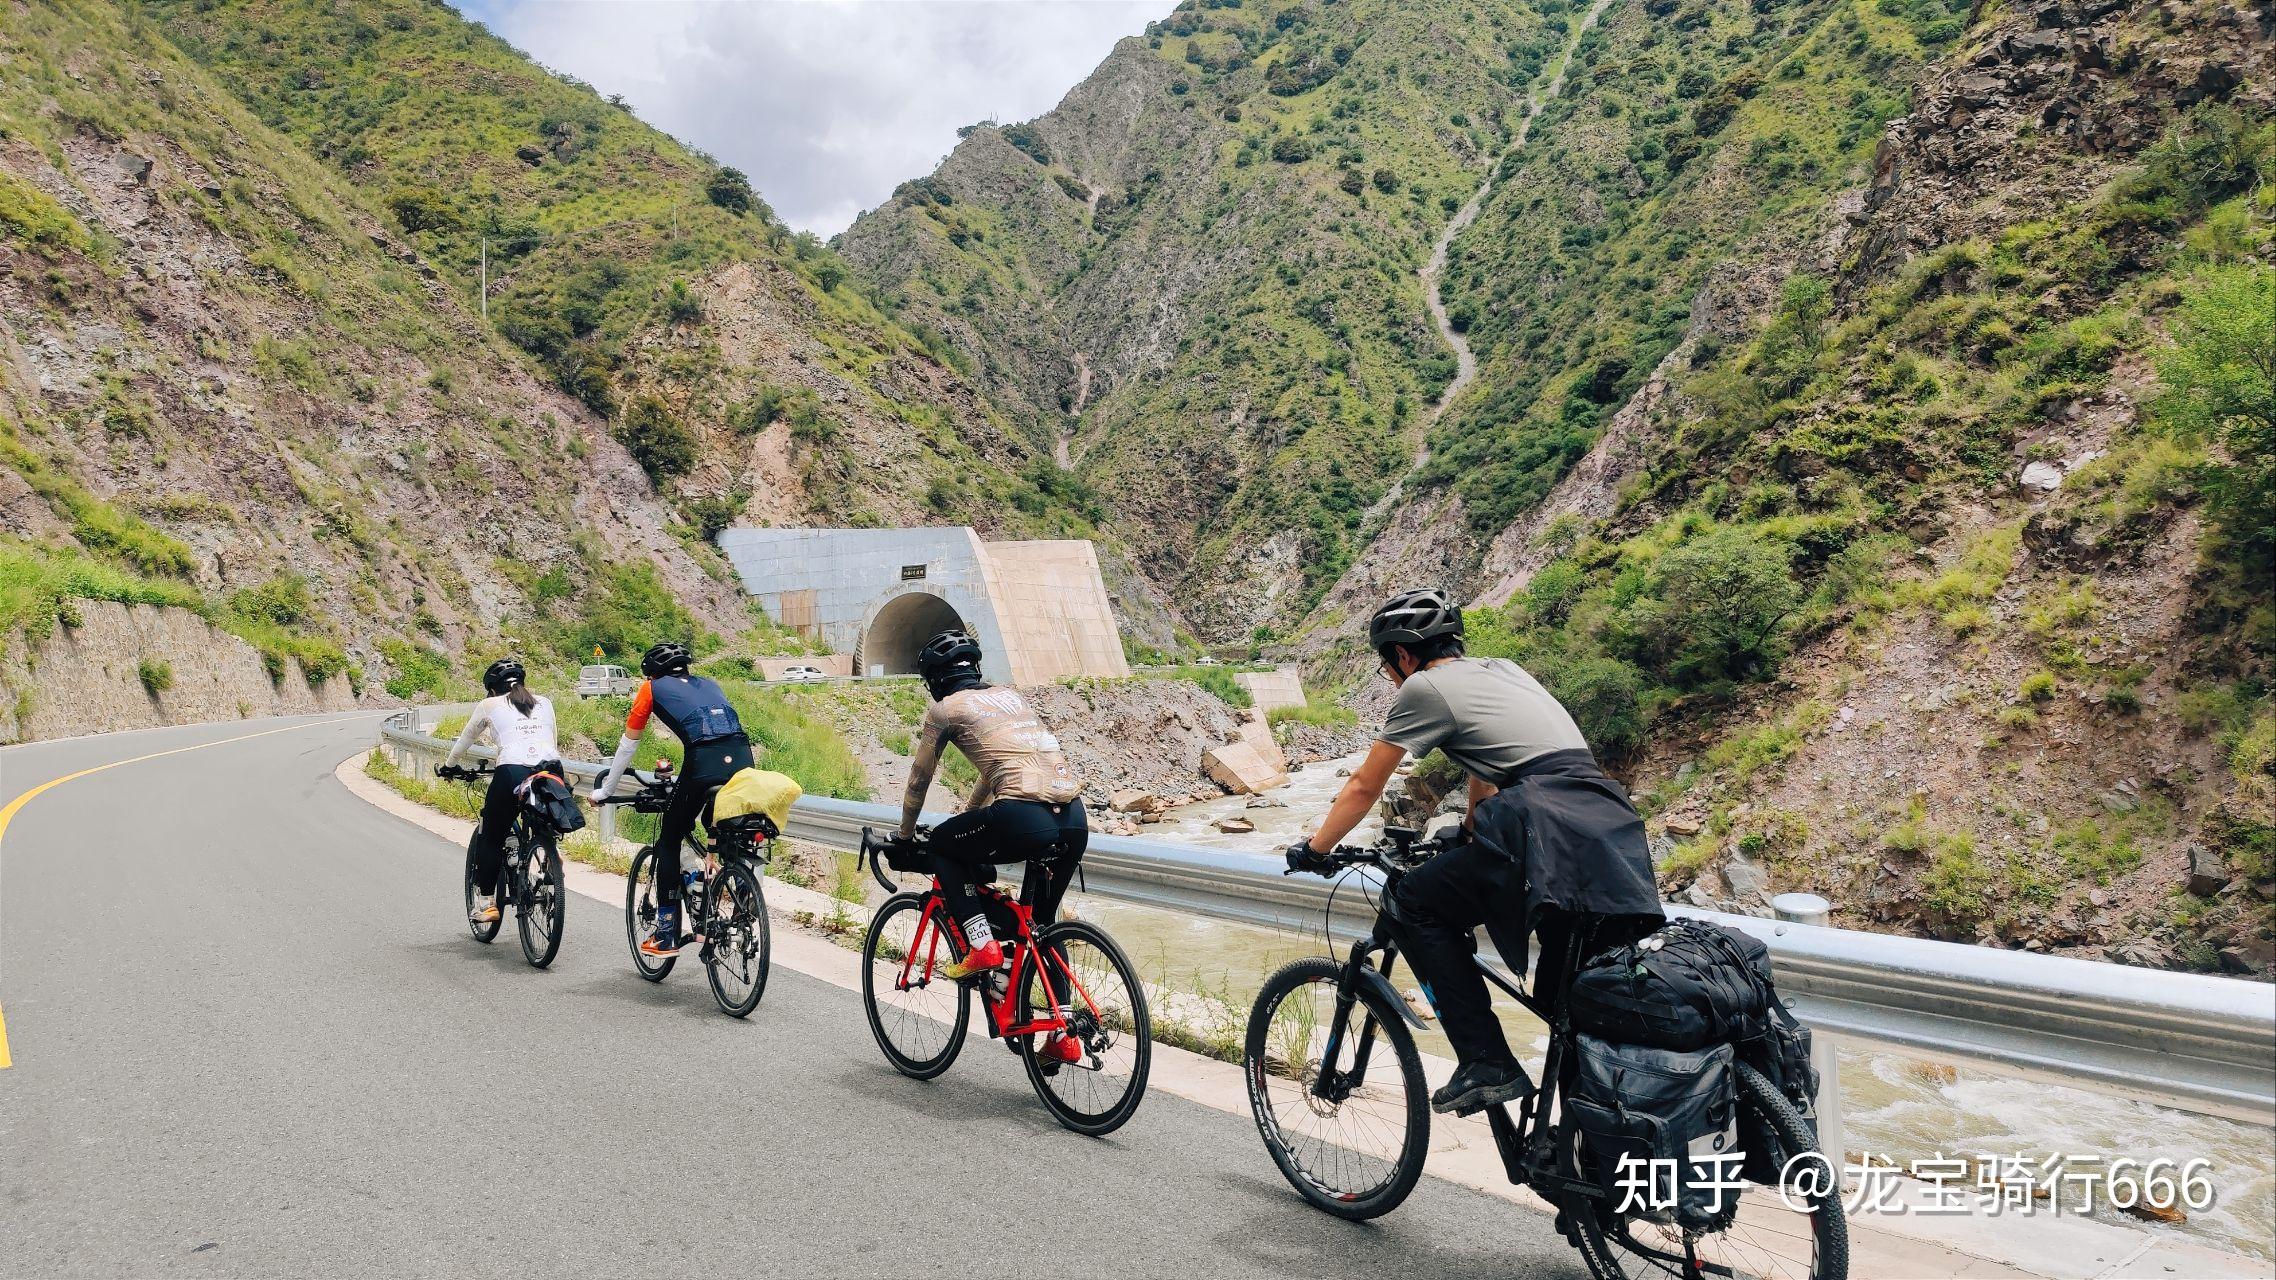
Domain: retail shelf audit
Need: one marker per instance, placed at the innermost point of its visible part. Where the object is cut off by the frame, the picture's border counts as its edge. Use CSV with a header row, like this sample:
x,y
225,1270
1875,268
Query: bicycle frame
x,y
930,930
1525,1142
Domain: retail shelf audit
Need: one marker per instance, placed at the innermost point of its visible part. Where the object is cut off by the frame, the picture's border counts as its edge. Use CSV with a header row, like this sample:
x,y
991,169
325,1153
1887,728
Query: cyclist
x,y
521,723
1027,806
697,712
1551,836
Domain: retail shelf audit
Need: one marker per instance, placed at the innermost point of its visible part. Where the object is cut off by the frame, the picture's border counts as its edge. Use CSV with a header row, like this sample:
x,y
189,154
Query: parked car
x,y
1206,661
605,682
802,674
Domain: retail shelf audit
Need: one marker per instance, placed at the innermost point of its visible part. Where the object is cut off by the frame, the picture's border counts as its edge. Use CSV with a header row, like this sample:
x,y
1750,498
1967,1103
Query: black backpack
x,y
1685,986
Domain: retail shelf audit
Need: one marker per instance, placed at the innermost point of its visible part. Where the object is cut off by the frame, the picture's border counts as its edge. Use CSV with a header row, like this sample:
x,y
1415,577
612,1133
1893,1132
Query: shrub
x,y
2039,686
157,675
1605,697
1958,885
662,444
1385,181
2220,384
1288,148
418,670
1722,599
423,209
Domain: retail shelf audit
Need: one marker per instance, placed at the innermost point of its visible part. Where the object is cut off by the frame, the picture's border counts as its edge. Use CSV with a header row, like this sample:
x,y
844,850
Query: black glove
x,y
1302,857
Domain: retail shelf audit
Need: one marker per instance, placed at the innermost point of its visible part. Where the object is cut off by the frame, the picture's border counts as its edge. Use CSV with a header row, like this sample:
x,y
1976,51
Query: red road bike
x,y
1067,1001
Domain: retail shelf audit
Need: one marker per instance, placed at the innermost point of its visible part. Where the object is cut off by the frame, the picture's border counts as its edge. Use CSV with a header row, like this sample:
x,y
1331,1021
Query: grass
x,y
1323,714
156,674
38,584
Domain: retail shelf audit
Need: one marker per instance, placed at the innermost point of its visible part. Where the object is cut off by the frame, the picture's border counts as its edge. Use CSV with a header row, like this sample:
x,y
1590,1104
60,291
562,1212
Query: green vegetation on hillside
x,y
1688,130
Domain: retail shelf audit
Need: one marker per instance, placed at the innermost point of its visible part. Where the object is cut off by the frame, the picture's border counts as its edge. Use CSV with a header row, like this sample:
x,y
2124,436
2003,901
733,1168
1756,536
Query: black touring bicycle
x,y
1336,1084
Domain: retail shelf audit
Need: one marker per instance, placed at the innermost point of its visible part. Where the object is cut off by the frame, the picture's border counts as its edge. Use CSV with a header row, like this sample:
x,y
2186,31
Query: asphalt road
x,y
252,1037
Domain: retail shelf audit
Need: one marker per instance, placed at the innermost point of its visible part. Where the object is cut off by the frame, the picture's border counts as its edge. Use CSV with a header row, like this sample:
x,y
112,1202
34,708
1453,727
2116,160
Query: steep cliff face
x,y
1201,271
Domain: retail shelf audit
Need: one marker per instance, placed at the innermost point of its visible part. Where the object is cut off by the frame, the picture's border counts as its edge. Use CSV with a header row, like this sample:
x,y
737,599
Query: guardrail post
x,y
1809,908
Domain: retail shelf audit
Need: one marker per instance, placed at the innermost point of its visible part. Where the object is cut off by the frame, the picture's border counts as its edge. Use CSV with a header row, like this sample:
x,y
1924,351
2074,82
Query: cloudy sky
x,y
827,104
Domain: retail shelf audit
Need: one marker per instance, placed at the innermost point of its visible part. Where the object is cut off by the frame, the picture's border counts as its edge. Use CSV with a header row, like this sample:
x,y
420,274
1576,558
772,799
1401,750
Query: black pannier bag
x,y
1782,1054
553,800
1687,985
1645,1114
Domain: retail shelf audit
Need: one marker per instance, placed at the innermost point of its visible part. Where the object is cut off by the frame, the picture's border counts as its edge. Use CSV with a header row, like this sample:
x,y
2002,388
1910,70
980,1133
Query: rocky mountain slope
x,y
226,385
1865,426
251,369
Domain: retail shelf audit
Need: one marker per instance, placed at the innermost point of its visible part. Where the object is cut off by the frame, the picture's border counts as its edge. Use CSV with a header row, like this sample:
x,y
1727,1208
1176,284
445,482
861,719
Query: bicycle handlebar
x,y
460,773
1393,854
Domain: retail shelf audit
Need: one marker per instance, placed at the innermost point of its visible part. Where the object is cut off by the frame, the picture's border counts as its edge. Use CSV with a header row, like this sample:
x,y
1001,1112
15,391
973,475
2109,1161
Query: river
x,y
1895,1107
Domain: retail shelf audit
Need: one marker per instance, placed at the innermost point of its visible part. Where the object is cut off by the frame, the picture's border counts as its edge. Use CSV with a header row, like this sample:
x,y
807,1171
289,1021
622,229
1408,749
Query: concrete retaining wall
x,y
88,678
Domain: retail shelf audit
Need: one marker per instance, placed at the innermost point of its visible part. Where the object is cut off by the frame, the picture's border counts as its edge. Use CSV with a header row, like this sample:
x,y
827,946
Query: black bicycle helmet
x,y
951,648
503,674
1412,617
664,659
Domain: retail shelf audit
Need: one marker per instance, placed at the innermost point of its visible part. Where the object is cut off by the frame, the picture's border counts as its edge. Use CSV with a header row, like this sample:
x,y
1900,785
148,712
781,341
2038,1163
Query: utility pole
x,y
485,278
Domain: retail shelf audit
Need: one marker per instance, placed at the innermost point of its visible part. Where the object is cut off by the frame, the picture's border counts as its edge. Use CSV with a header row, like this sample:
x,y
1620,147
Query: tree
x,y
423,209
730,190
829,273
2220,386
1288,148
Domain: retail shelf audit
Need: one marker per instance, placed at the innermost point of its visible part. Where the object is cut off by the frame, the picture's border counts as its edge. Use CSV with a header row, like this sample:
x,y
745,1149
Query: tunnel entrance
x,y
901,628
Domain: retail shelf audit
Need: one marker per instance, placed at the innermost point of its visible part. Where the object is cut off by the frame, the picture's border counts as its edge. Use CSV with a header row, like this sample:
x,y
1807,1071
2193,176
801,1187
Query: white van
x,y
605,682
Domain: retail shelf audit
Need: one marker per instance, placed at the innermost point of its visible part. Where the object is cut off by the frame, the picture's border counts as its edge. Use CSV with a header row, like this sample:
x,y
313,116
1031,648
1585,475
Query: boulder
x,y
1234,826
1133,801
1266,802
1684,824
2043,476
1238,768
1746,879
2253,955
2208,871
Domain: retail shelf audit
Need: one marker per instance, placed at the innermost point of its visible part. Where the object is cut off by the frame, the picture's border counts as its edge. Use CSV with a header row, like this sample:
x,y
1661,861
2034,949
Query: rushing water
x,y
1894,1107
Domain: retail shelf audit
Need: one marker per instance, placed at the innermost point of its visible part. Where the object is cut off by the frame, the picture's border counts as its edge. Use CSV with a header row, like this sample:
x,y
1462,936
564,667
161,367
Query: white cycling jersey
x,y
522,738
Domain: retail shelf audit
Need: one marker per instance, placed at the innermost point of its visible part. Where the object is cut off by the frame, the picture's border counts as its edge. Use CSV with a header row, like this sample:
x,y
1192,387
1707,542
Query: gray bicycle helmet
x,y
666,658
1412,617
951,648
503,674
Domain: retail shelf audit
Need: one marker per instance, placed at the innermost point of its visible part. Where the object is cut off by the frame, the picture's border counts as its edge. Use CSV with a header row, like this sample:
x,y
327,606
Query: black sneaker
x,y
1478,1085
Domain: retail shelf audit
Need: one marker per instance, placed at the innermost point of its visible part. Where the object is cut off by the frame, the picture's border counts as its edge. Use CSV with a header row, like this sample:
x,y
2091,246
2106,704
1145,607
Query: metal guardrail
x,y
2199,1043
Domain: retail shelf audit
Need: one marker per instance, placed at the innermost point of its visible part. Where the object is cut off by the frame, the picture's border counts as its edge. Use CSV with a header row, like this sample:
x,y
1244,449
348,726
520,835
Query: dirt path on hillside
x,y
1434,271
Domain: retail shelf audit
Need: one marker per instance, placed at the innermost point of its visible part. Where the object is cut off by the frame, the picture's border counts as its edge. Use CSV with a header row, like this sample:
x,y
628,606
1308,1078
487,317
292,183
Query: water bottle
x,y
692,891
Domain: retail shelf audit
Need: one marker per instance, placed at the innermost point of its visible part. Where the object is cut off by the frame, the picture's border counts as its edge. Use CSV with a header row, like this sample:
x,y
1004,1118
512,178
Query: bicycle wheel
x,y
1349,1135
1792,1233
541,905
640,915
1104,1003
737,943
483,932
918,1016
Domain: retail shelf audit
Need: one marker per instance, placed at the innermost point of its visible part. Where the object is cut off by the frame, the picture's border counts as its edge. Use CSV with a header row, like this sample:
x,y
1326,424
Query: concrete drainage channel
x,y
2194,1042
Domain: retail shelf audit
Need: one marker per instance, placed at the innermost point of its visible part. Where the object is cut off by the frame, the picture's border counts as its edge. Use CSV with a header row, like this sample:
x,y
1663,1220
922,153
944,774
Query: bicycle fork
x,y
1332,1084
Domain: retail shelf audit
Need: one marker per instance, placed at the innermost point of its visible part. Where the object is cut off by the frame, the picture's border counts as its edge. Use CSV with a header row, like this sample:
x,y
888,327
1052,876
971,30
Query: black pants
x,y
1051,838
1434,913
707,767
499,804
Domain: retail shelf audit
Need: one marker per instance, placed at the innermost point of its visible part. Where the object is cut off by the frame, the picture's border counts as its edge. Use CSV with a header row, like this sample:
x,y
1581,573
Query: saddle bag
x,y
552,800
1660,1126
1686,985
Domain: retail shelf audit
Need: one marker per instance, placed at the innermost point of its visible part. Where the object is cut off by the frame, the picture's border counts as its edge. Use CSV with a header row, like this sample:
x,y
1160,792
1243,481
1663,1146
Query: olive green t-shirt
x,y
1488,714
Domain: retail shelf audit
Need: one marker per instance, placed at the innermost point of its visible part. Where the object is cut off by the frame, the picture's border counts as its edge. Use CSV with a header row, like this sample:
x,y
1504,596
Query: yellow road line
x,y
8,814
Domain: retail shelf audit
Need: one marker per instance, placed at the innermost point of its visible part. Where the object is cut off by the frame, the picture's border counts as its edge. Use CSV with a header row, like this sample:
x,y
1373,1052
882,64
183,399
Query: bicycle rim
x,y
541,905
483,932
918,1016
740,941
1767,1239
640,915
1084,974
1356,1149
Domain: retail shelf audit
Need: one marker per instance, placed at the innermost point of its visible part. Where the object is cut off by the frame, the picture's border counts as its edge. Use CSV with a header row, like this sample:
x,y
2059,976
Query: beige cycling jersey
x,y
1017,756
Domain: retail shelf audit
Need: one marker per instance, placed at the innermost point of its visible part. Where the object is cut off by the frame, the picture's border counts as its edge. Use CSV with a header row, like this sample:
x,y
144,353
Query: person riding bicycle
x,y
521,723
1027,806
697,712
1550,836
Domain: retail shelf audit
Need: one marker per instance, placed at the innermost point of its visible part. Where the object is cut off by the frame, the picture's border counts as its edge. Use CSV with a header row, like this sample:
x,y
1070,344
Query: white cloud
x,y
826,104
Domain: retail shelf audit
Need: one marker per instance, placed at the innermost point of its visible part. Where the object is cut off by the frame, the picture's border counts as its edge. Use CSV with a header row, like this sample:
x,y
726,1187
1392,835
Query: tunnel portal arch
x,y
899,628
